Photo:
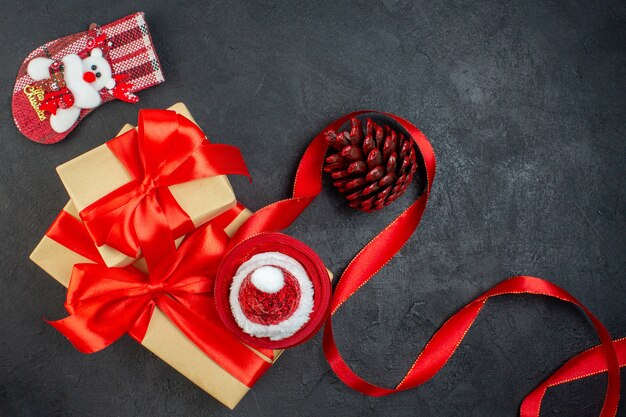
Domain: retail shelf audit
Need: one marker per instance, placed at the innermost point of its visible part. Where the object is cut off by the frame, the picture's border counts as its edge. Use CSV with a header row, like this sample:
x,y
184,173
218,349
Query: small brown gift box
x,y
98,172
163,338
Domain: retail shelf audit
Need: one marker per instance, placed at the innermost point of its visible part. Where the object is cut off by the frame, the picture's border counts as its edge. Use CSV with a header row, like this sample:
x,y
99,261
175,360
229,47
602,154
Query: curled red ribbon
x,y
375,255
166,149
105,303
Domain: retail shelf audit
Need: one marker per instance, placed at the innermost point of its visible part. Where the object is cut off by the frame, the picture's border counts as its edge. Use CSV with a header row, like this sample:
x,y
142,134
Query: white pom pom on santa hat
x,y
268,279
268,268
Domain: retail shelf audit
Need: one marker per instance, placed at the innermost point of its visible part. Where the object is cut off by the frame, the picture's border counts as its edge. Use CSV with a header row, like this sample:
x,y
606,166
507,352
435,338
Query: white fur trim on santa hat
x,y
299,317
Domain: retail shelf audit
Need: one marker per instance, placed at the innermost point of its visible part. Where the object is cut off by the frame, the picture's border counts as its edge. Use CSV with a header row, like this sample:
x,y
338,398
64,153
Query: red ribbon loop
x,y
166,149
384,246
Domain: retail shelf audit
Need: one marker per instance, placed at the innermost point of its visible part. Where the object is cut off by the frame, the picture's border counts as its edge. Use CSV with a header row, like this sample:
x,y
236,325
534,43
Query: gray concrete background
x,y
524,104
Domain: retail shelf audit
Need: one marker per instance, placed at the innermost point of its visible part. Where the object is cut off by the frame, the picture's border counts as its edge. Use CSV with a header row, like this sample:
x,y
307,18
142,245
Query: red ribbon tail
x,y
103,303
91,329
588,363
446,340
229,353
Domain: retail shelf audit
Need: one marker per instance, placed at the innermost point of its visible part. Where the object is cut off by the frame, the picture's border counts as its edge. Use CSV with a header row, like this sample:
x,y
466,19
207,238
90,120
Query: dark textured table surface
x,y
524,105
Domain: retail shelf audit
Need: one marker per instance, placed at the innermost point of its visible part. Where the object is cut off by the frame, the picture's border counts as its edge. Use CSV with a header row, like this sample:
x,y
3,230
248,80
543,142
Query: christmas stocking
x,y
62,81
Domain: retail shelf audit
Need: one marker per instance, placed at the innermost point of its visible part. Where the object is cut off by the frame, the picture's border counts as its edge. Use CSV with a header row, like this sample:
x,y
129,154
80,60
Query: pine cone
x,y
373,164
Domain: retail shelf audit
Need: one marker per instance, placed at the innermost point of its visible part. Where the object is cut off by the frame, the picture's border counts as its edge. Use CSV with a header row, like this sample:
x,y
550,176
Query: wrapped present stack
x,y
153,244
99,230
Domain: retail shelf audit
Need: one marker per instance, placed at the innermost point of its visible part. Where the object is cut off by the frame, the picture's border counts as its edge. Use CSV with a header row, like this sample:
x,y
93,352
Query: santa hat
x,y
272,291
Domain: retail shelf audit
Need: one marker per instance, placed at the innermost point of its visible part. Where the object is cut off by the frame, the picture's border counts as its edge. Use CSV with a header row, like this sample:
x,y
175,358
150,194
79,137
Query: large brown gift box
x,y
98,172
163,338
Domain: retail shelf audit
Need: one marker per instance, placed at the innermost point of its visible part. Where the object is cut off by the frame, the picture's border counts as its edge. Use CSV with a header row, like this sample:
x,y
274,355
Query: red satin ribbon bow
x,y
385,245
105,303
166,149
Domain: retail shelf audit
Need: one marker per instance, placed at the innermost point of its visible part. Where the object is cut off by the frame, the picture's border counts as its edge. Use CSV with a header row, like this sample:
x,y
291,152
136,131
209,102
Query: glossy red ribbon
x,y
385,245
105,303
166,149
